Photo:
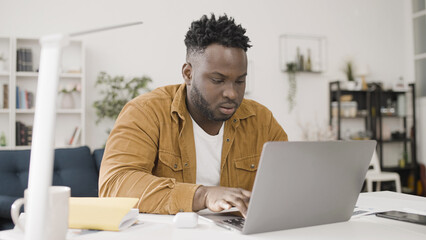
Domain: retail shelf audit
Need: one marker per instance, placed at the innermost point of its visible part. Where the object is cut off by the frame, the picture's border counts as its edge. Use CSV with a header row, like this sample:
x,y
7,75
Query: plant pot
x,y
350,85
67,101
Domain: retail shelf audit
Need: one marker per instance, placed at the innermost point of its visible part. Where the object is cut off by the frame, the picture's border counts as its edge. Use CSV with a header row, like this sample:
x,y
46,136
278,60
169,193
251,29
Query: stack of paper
x,y
111,214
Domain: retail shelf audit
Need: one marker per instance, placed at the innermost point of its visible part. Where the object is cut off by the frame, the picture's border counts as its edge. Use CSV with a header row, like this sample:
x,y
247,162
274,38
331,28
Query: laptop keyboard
x,y
238,222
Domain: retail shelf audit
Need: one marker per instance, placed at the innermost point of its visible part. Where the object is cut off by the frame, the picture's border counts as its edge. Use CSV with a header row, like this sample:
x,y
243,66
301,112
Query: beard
x,y
203,106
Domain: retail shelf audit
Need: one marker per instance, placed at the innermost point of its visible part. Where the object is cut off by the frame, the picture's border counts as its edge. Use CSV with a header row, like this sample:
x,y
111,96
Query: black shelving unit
x,y
381,97
362,97
372,101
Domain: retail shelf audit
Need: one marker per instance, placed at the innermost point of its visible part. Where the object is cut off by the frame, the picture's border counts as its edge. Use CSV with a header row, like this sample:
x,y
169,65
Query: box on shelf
x,y
347,109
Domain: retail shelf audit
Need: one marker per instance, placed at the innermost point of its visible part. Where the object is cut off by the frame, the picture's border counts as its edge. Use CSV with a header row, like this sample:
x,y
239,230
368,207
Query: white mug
x,y
57,217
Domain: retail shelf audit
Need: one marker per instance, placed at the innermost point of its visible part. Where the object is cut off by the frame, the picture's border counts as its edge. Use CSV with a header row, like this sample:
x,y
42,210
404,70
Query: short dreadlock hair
x,y
222,31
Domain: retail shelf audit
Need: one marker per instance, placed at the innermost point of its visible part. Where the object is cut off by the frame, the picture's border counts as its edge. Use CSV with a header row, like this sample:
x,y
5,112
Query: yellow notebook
x,y
111,214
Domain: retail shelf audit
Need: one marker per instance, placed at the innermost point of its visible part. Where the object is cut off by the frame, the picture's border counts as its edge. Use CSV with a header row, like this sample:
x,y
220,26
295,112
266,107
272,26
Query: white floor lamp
x,y
42,149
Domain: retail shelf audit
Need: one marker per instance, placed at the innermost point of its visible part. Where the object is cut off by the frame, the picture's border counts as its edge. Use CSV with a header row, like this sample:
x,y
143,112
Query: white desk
x,y
367,227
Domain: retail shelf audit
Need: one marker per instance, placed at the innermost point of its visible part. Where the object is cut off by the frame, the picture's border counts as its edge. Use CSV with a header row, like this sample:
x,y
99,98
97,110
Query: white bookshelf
x,y
68,111
20,148
72,74
26,74
25,111
5,79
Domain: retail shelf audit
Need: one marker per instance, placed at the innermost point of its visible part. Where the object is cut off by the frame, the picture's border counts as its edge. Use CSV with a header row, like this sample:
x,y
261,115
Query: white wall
x,y
373,32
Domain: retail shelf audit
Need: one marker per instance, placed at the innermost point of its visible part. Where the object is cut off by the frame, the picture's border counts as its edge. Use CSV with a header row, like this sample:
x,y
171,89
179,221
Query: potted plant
x,y
2,140
292,85
116,92
348,69
66,97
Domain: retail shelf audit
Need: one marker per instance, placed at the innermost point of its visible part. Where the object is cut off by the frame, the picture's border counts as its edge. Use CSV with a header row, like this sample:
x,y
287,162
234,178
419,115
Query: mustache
x,y
229,104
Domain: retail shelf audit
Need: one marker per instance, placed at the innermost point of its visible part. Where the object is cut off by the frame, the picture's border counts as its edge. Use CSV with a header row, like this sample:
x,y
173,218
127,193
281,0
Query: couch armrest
x,y
5,205
98,155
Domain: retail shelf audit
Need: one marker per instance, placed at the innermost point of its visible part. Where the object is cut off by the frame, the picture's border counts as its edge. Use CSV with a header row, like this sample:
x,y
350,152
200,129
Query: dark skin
x,y
215,81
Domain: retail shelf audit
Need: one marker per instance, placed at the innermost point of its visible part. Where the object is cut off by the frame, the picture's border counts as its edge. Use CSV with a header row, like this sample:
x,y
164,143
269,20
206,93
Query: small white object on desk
x,y
186,220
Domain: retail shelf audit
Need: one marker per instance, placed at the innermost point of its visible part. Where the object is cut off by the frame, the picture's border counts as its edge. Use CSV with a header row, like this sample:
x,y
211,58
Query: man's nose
x,y
230,91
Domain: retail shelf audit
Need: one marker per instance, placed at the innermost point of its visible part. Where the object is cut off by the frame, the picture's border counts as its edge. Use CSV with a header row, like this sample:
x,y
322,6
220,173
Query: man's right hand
x,y
217,199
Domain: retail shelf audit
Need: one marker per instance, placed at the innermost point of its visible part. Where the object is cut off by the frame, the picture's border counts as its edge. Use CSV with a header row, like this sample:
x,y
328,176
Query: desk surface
x,y
367,227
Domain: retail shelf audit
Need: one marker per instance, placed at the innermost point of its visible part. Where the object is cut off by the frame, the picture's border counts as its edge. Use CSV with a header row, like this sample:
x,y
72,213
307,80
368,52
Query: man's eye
x,y
241,81
216,80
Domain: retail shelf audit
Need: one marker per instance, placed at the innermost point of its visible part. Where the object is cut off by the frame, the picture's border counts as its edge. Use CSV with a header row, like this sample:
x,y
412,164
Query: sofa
x,y
77,168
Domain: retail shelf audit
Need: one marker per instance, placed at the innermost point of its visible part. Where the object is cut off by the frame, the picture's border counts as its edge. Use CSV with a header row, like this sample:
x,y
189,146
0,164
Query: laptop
x,y
301,184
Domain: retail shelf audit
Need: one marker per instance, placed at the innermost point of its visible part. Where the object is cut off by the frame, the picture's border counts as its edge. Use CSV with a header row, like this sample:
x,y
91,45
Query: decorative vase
x,y
67,101
350,85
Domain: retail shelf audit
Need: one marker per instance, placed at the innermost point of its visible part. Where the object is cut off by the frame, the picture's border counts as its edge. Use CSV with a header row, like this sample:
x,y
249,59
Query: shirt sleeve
x,y
130,155
276,132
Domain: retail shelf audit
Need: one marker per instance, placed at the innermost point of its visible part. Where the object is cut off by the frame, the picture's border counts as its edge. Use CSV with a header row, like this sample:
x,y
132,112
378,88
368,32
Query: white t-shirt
x,y
208,151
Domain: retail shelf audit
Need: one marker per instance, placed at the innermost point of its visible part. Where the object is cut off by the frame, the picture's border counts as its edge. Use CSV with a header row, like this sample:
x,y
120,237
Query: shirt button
x,y
180,210
186,164
235,120
252,166
175,165
227,139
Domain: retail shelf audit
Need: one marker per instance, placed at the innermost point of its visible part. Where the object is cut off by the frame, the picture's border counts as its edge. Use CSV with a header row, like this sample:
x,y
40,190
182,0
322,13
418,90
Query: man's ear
x,y
187,73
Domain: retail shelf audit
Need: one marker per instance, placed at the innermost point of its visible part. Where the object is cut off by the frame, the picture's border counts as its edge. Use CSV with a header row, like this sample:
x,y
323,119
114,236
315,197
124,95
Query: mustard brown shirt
x,y
150,153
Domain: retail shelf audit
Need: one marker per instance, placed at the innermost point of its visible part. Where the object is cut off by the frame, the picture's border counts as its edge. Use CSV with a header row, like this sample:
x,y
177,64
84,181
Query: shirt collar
x,y
179,103
244,111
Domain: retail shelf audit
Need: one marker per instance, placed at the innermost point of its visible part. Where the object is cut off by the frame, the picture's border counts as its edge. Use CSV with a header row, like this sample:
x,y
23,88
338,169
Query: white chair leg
x,y
369,185
378,185
398,185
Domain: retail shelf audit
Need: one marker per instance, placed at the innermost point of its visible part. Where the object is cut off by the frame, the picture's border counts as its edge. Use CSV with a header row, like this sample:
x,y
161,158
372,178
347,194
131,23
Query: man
x,y
196,145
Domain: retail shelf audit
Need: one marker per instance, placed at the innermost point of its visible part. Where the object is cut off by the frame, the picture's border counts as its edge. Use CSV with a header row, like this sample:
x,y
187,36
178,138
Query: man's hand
x,y
221,198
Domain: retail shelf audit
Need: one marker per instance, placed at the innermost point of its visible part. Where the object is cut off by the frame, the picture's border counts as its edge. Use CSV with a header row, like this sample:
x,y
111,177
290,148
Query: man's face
x,y
216,81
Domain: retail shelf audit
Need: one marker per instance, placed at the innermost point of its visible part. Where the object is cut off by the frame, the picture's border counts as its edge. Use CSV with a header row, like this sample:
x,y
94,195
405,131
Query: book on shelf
x,y
24,99
17,98
29,135
5,96
17,133
19,60
109,214
24,134
24,60
1,98
29,60
30,100
75,136
26,93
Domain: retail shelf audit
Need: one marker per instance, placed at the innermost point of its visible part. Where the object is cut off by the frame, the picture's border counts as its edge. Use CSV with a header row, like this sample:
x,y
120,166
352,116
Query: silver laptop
x,y
300,184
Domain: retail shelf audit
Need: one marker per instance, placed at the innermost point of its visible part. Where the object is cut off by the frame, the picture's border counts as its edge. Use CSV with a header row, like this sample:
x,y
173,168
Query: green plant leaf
x,y
116,92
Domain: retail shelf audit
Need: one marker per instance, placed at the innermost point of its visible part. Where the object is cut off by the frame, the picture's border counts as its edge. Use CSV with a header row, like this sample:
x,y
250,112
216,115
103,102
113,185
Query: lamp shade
x,y
363,70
